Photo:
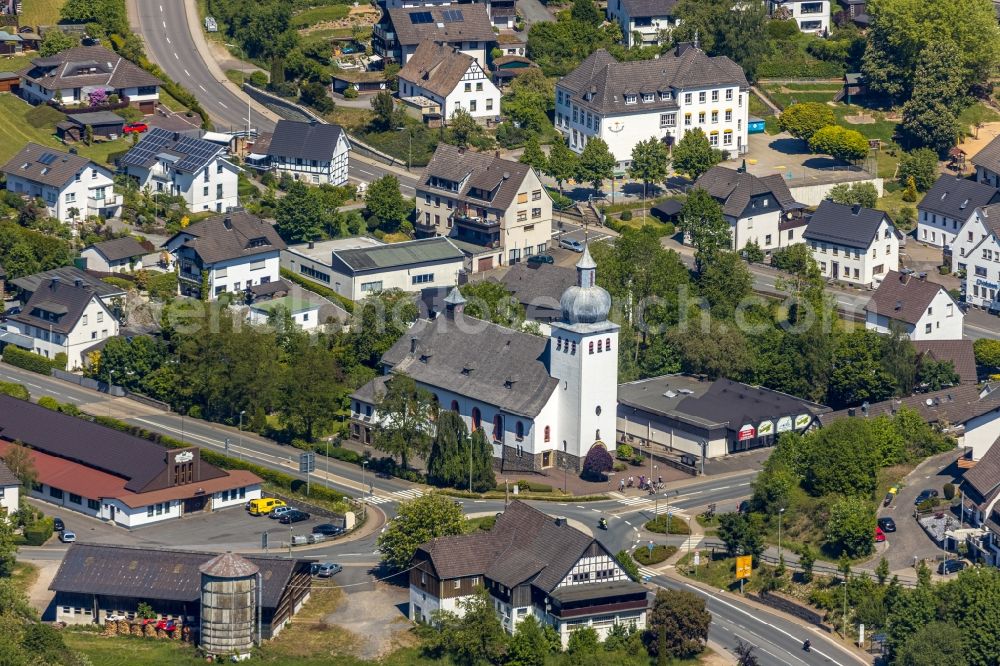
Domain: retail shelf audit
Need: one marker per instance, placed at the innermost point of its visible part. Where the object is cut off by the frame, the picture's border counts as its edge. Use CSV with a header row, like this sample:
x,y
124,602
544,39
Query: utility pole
x,y
470,464
781,512
239,451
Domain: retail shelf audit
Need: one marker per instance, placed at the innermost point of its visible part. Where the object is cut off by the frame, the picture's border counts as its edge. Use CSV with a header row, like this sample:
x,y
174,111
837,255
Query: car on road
x,y
293,516
279,511
58,525
879,534
571,244
327,529
541,259
924,496
951,566
135,128
325,569
67,536
887,524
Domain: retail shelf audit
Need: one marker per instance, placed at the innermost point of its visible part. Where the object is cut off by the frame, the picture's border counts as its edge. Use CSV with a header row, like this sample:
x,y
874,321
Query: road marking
x,y
164,25
596,510
580,507
412,493
628,523
757,647
176,57
187,73
161,8
168,40
223,104
202,87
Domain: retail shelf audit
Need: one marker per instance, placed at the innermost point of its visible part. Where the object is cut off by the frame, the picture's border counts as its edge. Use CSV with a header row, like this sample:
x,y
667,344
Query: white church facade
x,y
543,402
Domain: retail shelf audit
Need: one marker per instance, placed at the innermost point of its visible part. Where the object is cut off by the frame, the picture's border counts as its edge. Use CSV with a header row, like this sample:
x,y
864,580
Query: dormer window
x,y
258,242
647,97
630,99
665,96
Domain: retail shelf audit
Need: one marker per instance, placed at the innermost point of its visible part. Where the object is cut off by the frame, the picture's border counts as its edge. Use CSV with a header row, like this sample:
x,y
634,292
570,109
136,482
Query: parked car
x,y
925,495
570,244
951,566
890,496
58,525
743,507
279,511
293,516
879,534
325,569
136,128
887,524
264,505
67,536
327,529
541,259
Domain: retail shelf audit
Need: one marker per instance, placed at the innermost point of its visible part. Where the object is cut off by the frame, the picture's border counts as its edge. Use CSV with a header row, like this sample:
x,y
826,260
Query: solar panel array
x,y
421,17
193,154
452,16
47,158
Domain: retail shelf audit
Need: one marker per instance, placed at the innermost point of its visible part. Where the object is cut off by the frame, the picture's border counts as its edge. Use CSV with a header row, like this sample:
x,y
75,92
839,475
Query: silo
x,y
228,606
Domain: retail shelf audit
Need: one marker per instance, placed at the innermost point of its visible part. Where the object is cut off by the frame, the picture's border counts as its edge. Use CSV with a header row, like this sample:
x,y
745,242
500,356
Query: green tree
x,y
858,374
851,527
921,165
313,389
650,162
899,358
843,144
842,458
533,156
882,570
694,155
56,40
301,215
463,128
933,644
313,93
531,643
418,521
19,461
528,100
930,124
583,643
447,463
586,12
752,253
405,413
490,301
596,164
475,638
987,352
678,624
863,194
387,116
738,33
8,547
805,119
742,533
385,202
725,282
721,351
562,163
909,611
806,560
483,478
702,222
936,375
377,323
910,193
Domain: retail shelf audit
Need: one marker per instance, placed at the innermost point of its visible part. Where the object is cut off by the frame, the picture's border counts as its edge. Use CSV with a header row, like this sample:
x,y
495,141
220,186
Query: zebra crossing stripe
x,y
413,493
648,572
634,501
378,499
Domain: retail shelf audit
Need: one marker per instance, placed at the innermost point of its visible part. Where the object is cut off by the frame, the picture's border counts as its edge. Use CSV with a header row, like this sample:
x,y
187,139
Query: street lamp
x,y
409,154
781,512
243,71
364,504
239,451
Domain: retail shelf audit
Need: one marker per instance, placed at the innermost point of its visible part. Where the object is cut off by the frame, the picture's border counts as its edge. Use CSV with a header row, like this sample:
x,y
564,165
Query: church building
x,y
544,402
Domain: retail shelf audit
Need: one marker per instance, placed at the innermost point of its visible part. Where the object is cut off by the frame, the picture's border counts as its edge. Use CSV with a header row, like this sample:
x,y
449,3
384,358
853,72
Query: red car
x,y
136,128
879,535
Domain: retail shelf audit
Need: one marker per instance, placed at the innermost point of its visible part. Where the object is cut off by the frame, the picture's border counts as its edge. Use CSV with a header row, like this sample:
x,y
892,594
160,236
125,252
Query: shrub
x,y
162,285
660,553
258,79
949,491
326,292
597,464
350,93
27,360
49,402
15,390
628,564
121,283
626,215
624,452
38,532
659,525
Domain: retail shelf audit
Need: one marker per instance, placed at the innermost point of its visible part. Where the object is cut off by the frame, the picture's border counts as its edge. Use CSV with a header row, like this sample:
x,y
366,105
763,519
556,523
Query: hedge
x,y
15,390
660,553
527,487
162,285
27,360
39,532
325,292
659,524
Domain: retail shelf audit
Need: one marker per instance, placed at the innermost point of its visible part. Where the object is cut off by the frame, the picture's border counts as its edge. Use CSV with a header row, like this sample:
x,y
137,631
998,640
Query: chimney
x,y
55,282
855,209
312,244
904,277
177,136
850,411
743,167
560,521
77,283
899,305
413,344
227,222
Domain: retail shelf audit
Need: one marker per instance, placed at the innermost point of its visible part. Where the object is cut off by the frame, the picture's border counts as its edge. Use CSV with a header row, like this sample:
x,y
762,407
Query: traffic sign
x,y
307,463
744,565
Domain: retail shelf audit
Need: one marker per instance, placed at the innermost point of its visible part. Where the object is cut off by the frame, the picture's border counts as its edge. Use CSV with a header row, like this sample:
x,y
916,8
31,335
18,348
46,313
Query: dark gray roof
x,y
96,118
68,275
474,24
903,297
47,165
85,66
120,248
156,573
735,189
372,391
601,82
467,356
82,441
952,406
989,156
7,477
306,140
397,255
982,482
647,8
188,153
471,170
538,287
230,236
57,306
956,197
853,226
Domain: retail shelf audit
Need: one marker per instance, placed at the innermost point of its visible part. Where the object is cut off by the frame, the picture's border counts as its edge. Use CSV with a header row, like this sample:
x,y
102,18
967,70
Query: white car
x,y
67,536
278,512
570,244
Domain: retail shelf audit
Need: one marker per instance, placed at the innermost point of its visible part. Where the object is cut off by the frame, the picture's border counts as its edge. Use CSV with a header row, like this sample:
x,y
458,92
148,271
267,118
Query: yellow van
x,y
264,505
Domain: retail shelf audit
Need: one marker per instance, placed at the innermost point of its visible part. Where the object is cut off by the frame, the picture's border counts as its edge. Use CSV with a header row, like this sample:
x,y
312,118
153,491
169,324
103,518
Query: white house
x,y
759,209
450,79
643,22
923,310
981,222
304,314
812,16
70,76
977,257
312,152
627,102
466,27
233,252
542,401
118,255
72,187
178,165
947,205
64,318
853,244
987,163
10,491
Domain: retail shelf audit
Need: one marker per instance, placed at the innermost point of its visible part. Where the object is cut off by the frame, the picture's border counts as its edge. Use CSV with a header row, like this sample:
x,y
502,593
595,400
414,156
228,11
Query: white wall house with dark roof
x,y
853,244
10,491
118,255
627,102
812,16
450,79
466,27
171,163
947,206
987,163
922,310
315,153
976,252
643,22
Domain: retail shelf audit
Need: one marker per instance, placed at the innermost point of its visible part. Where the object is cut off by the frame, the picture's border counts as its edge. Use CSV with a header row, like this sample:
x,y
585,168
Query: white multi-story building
x,y
853,244
72,187
627,102
981,222
178,165
70,76
922,310
66,318
947,206
451,80
233,252
643,22
812,16
313,152
976,255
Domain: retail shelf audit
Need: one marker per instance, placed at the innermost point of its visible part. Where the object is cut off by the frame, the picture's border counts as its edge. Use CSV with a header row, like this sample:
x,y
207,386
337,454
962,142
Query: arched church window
x,y
519,431
454,405
600,346
498,427
477,419
548,433
591,346
607,343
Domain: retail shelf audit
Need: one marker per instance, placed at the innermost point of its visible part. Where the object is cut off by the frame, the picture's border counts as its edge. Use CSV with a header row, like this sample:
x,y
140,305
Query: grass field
x,y
16,131
784,94
40,12
319,15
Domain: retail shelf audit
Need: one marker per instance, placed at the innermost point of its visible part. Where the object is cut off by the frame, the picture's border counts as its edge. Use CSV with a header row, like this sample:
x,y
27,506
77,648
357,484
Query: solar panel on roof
x,y
421,17
47,158
452,16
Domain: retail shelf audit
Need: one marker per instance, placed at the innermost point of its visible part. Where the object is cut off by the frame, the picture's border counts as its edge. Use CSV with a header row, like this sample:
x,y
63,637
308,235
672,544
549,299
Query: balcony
x,y
108,201
469,219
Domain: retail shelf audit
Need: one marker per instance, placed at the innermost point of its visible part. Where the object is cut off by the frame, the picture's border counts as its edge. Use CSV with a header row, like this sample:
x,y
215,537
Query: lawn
x,y
40,12
320,15
785,94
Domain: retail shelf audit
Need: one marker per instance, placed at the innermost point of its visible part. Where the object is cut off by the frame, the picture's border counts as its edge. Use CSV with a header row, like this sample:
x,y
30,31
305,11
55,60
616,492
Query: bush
x,y
258,79
15,390
660,553
121,283
38,532
626,215
597,464
559,201
350,93
949,491
624,452
162,285
325,292
27,360
659,525
628,564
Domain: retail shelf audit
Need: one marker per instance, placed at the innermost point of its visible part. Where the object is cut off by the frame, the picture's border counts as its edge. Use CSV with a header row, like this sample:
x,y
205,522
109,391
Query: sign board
x,y
784,424
802,420
765,428
861,635
307,463
697,558
744,565
746,432
184,457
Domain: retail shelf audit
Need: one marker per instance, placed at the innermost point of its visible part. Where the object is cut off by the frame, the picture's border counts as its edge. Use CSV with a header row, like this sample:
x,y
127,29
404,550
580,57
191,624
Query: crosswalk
x,y
396,496
648,573
690,543
645,503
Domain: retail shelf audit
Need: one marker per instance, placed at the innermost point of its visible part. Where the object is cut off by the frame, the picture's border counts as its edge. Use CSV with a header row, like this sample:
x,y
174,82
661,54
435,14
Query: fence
x,y
87,382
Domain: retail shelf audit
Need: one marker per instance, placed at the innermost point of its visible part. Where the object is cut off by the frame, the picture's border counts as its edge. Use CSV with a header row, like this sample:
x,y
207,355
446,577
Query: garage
x,y
486,263
9,81
148,107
